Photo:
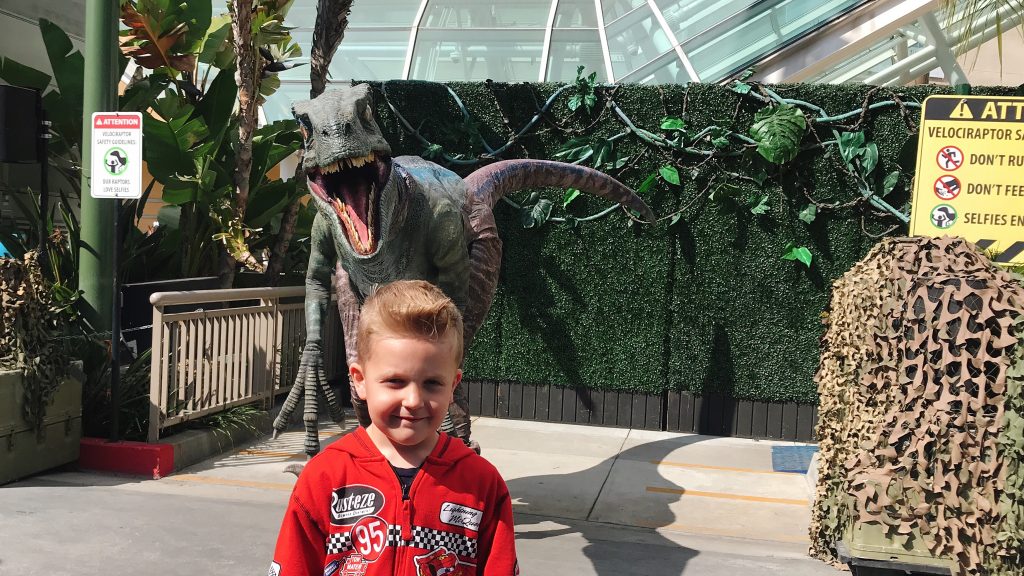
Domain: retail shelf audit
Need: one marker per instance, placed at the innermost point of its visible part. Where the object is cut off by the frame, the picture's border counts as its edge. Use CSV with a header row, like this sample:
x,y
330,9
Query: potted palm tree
x,y
40,400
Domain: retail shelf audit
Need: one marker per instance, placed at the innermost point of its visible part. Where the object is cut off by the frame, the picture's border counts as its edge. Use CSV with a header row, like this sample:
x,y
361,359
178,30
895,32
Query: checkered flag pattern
x,y
433,539
425,538
339,543
394,535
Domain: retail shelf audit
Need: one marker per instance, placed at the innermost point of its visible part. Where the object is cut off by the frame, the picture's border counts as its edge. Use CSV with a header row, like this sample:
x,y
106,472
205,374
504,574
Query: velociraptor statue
x,y
381,219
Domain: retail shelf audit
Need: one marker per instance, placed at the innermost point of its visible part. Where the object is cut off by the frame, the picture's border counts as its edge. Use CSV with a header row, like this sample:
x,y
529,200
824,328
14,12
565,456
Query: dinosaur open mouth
x,y
352,187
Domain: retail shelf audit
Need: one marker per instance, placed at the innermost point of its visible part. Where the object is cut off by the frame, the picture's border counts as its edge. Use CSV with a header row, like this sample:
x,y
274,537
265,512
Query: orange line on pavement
x,y
724,496
722,468
729,533
227,482
252,452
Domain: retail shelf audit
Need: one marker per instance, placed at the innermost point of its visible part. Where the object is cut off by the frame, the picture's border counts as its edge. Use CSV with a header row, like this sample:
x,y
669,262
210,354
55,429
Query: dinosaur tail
x,y
490,183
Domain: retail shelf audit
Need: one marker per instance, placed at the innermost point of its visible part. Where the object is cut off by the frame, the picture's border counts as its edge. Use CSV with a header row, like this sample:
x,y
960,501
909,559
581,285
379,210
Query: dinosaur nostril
x,y
348,128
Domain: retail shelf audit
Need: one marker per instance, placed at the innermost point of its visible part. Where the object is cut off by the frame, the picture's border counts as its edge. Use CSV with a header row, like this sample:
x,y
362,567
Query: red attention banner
x,y
117,121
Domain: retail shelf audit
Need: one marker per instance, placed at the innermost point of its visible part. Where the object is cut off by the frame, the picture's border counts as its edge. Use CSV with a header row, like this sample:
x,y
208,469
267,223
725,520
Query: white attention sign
x,y
116,155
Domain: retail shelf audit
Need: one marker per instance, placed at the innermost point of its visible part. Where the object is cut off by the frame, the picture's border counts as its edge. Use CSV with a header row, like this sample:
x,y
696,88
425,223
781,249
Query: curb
x,y
175,453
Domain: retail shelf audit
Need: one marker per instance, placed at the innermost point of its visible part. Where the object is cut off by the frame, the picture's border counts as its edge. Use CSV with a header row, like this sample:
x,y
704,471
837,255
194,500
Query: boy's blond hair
x,y
409,308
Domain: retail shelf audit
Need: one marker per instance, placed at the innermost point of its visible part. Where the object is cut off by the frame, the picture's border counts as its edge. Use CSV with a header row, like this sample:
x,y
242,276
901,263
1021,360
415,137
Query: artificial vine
x,y
777,135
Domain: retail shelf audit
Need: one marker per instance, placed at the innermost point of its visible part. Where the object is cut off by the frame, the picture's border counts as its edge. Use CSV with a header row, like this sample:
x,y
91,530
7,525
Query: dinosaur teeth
x,y
369,218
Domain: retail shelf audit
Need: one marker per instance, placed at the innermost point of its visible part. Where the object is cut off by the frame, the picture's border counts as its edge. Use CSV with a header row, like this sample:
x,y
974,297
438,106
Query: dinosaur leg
x,y
458,412
309,419
334,407
289,406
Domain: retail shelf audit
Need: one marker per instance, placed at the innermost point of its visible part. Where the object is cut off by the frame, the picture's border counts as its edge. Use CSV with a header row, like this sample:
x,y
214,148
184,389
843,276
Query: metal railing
x,y
216,349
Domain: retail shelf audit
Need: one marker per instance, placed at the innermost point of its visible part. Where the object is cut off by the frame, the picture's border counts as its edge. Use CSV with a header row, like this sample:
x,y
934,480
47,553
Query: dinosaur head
x,y
347,161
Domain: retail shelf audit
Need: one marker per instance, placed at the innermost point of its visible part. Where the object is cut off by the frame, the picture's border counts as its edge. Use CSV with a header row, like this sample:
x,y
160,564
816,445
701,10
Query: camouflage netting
x,y
921,424
28,330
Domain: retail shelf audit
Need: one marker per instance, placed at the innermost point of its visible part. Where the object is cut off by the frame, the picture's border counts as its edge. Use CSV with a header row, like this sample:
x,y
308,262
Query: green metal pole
x,y
95,263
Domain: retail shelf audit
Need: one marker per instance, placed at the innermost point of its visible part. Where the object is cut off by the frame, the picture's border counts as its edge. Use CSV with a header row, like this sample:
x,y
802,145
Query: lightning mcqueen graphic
x,y
440,562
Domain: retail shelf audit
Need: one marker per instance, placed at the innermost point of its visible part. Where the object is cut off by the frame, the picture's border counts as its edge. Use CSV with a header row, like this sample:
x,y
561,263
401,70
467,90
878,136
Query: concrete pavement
x,y
587,500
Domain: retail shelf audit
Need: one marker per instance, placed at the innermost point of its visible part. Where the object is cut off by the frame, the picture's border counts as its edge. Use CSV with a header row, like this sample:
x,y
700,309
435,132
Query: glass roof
x,y
645,41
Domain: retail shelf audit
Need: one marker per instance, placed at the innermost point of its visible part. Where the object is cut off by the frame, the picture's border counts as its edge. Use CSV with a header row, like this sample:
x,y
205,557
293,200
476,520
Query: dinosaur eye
x,y
368,114
305,127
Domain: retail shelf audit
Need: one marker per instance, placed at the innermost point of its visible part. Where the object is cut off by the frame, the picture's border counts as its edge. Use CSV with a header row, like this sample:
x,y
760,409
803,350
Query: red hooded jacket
x,y
346,516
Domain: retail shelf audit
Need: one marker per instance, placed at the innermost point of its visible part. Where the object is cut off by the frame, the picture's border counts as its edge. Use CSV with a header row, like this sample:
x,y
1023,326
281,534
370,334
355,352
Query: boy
x,y
398,497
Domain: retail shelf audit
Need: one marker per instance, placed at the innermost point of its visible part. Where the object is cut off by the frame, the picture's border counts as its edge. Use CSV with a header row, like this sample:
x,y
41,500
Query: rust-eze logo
x,y
351,503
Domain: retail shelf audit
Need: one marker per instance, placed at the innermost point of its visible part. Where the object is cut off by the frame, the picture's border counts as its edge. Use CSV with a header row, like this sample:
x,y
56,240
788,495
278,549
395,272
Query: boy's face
x,y
407,384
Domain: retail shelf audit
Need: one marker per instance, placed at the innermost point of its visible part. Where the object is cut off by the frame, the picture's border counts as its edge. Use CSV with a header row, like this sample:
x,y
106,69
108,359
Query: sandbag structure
x,y
921,417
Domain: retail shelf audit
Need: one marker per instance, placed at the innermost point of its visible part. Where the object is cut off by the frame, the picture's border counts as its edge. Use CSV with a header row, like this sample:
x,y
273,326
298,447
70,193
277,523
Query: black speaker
x,y
19,125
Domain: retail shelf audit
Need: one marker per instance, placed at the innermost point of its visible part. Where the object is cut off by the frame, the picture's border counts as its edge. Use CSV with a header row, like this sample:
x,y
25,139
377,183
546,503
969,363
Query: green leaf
x,y
719,137
869,157
570,195
142,93
268,201
646,184
778,131
809,213
759,175
573,150
851,145
433,151
675,219
741,87
747,74
761,207
66,62
536,215
17,74
169,144
798,253
670,174
216,38
575,102
590,100
672,123
890,182
605,149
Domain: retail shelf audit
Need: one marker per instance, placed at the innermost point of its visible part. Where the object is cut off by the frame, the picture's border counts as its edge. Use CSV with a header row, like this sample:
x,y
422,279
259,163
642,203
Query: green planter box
x,y
24,452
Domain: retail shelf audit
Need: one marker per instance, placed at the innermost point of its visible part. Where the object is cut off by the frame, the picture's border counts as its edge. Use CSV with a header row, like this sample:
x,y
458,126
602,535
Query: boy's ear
x,y
458,380
355,374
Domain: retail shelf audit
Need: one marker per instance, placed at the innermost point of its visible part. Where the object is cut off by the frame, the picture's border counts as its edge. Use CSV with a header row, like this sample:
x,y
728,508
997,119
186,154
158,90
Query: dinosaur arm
x,y
449,254
318,279
348,306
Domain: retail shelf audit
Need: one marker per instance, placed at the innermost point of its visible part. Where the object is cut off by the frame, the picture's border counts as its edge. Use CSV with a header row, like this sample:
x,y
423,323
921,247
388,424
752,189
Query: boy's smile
x,y
407,383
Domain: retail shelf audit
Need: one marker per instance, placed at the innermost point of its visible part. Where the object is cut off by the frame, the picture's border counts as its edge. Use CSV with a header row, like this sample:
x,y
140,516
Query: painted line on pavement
x,y
724,496
271,453
729,533
228,482
721,468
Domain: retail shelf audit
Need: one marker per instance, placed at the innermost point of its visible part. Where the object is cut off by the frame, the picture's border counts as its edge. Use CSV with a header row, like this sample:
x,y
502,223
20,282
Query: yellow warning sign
x,y
970,172
962,111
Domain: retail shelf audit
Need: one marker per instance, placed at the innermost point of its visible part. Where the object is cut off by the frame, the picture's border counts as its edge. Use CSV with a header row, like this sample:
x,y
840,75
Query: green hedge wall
x,y
706,305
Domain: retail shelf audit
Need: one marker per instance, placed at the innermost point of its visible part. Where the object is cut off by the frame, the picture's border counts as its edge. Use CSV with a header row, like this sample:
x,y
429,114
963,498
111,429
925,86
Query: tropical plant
x,y
977,15
328,32
202,142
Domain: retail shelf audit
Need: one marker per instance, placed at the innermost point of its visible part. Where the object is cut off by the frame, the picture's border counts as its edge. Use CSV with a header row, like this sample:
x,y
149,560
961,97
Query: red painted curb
x,y
136,458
